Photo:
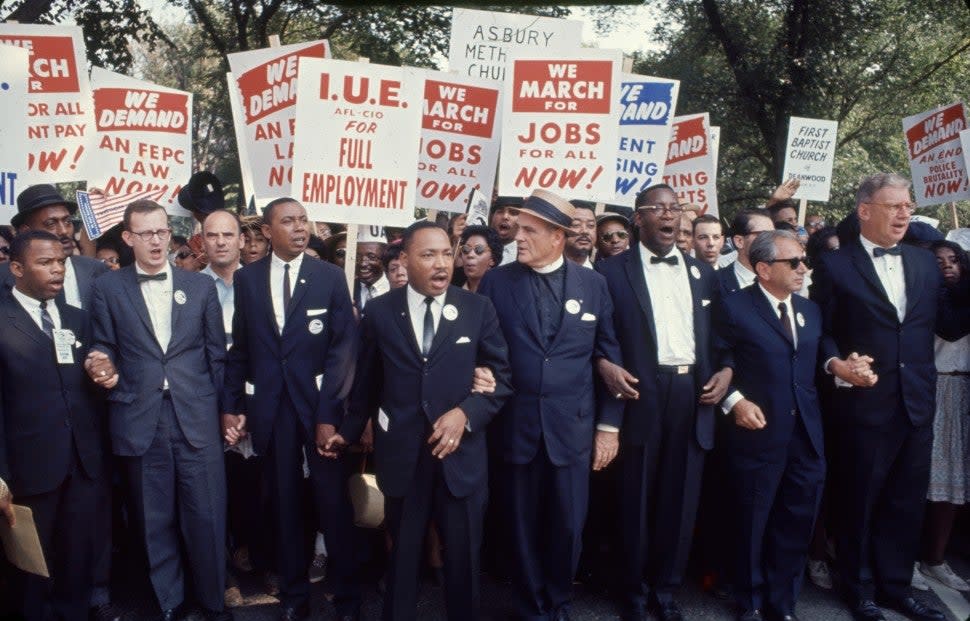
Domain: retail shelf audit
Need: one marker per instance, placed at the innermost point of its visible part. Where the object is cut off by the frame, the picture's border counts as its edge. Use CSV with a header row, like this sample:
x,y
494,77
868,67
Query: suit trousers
x,y
63,517
885,472
660,488
776,498
285,489
546,507
459,521
178,495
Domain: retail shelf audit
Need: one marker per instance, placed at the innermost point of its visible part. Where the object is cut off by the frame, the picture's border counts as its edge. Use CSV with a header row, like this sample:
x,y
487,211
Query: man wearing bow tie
x,y
883,300
162,328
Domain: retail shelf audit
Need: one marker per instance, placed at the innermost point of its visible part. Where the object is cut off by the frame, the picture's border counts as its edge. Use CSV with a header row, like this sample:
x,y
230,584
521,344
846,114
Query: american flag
x,y
99,212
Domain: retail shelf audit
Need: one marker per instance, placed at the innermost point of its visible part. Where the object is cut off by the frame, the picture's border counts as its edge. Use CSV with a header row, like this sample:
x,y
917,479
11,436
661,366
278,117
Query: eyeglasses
x,y
340,253
793,263
895,208
660,207
608,237
478,249
146,236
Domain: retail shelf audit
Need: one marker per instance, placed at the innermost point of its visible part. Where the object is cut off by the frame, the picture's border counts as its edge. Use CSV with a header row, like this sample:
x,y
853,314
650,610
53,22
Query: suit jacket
x,y
858,315
46,408
313,366
557,400
770,370
86,270
727,280
192,363
414,393
634,321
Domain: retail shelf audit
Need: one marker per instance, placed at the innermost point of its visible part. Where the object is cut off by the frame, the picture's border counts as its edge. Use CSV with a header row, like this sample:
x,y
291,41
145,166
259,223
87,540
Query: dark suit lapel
x,y
82,276
526,301
446,327
134,295
403,319
572,290
179,282
913,279
863,263
22,321
634,272
266,291
299,288
697,296
763,307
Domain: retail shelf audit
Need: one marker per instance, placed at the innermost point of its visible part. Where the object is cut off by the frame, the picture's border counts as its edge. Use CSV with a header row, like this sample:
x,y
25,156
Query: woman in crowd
x,y
397,274
255,246
480,250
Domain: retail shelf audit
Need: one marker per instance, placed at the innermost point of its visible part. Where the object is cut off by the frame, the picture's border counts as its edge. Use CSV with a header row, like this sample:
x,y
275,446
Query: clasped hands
x,y
100,369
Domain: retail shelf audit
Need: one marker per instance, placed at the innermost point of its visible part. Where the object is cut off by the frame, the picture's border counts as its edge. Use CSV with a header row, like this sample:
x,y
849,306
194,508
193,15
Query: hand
x,y
605,447
6,504
483,382
233,428
448,430
748,415
619,382
367,438
100,369
329,442
783,192
855,369
714,390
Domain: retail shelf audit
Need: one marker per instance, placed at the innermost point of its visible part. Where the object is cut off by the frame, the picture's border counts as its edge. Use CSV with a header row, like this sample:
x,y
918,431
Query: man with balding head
x,y
223,241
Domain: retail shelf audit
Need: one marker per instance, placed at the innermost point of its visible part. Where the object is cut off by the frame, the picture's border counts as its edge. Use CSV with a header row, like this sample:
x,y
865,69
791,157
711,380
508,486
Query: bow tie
x,y
146,277
878,252
669,260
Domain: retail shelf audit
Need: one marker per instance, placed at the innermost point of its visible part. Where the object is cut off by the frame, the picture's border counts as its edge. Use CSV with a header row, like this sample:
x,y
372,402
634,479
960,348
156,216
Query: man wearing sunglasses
x,y
612,235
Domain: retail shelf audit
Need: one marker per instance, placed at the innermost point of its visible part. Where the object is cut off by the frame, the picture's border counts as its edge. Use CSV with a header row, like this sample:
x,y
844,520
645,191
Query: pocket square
x,y
705,302
588,317
318,380
313,312
463,340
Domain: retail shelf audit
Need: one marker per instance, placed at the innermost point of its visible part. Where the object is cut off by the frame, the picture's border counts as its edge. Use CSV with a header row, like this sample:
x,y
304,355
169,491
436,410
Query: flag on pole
x,y
99,212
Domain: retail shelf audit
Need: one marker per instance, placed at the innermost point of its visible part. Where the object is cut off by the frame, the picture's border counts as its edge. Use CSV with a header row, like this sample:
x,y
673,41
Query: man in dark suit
x,y
774,446
663,301
745,226
51,420
42,208
293,339
883,300
162,328
420,347
556,318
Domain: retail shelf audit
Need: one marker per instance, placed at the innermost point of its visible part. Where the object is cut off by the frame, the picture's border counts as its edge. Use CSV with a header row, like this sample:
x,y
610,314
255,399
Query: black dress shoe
x,y
787,618
669,611
172,614
914,609
105,612
297,613
750,615
866,610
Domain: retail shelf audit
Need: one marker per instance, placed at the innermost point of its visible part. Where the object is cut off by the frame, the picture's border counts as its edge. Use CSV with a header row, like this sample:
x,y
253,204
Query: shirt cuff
x,y
607,428
826,365
730,401
839,382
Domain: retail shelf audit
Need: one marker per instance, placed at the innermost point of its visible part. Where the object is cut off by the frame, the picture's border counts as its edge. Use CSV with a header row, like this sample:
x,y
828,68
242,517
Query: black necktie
x,y
785,323
670,259
878,252
146,277
287,293
46,323
428,335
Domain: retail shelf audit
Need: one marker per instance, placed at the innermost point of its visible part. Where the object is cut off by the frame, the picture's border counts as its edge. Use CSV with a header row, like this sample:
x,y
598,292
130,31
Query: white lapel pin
x,y
800,318
315,327
303,281
450,312
572,307
180,297
696,273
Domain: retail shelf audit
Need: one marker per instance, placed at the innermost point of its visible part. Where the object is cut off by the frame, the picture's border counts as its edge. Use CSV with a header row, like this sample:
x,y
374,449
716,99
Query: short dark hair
x,y
707,219
392,252
316,244
180,240
741,224
270,206
763,248
786,226
141,206
226,211
21,243
491,238
578,204
818,242
642,195
773,210
417,226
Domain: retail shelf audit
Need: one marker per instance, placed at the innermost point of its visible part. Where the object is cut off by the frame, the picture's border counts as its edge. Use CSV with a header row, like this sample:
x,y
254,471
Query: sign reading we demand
x,y
936,158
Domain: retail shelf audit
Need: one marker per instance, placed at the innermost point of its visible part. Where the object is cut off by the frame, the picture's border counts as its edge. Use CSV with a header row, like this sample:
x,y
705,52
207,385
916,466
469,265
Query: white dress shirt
x,y
227,300
368,292
276,284
745,276
158,299
510,252
889,268
32,307
417,308
588,263
72,294
673,308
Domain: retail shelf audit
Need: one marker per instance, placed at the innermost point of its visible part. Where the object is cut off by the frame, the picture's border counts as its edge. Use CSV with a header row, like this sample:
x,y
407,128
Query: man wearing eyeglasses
x,y
612,235
162,328
883,299
663,301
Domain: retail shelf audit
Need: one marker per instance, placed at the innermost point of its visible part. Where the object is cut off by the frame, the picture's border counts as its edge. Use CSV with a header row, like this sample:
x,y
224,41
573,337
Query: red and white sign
x,y
936,156
459,140
14,74
59,124
561,126
263,96
690,162
358,127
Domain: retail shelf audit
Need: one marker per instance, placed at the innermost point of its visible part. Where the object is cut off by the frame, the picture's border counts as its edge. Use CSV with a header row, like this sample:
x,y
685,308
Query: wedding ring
x,y
451,441
103,373
619,395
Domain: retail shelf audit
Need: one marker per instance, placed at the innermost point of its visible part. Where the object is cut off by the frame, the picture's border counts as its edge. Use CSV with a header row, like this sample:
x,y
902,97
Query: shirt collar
x,y
165,268
208,271
646,253
742,272
32,305
773,300
416,299
294,264
552,267
870,246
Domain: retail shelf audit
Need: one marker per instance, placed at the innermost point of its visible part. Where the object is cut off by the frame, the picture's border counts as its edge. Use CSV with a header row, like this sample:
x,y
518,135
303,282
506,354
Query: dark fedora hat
x,y
202,194
38,196
549,207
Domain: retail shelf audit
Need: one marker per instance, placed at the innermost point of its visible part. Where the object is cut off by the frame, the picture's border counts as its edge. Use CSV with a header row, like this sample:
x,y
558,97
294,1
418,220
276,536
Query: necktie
x,y
879,252
46,323
428,335
785,323
287,293
670,259
146,277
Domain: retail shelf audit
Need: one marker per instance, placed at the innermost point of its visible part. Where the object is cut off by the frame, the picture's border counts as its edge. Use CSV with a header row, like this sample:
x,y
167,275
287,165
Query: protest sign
x,y
647,107
482,42
809,155
935,155
560,129
459,140
715,137
59,123
690,167
143,141
478,207
14,74
965,146
358,127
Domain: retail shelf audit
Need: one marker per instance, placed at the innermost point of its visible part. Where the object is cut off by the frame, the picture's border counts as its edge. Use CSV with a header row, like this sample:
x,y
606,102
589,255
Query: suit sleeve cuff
x,y
730,401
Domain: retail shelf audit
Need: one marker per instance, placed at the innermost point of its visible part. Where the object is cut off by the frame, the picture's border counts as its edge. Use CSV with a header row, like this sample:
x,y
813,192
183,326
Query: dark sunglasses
x,y
608,237
478,249
793,262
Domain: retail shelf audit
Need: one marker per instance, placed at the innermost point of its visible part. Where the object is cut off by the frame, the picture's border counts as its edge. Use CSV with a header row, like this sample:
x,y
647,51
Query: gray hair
x,y
872,184
763,248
